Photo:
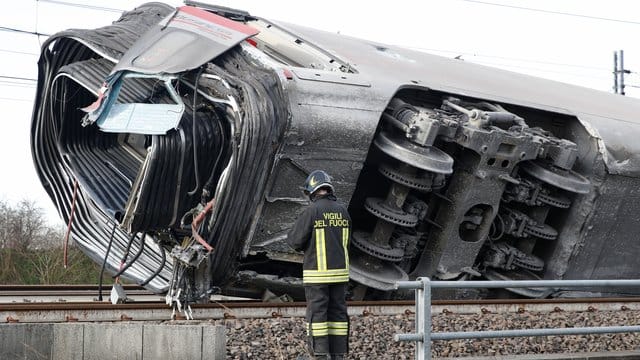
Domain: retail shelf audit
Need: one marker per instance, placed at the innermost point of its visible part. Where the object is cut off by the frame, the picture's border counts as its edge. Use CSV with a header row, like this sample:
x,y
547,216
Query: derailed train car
x,y
175,142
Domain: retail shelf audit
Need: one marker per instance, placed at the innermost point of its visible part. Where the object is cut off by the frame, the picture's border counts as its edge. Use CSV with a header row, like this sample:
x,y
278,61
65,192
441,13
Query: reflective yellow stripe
x,y
325,272
326,276
338,324
321,250
341,332
345,245
326,280
340,328
318,329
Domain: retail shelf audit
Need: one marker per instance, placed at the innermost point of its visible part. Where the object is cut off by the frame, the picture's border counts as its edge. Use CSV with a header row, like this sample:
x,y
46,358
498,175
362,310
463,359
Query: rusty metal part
x,y
98,312
70,293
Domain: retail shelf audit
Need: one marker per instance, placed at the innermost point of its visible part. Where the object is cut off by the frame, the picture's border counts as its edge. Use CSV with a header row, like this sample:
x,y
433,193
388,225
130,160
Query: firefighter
x,y
323,232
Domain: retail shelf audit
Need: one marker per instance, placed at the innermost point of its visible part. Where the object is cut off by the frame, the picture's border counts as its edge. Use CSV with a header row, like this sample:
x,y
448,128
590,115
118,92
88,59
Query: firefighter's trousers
x,y
327,319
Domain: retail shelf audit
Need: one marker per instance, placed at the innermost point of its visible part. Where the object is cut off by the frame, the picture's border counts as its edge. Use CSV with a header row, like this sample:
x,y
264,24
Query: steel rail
x,y
62,289
94,311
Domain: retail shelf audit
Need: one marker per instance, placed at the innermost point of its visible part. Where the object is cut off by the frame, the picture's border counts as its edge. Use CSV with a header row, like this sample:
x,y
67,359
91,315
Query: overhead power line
x,y
553,12
3,28
17,78
18,52
84,6
17,85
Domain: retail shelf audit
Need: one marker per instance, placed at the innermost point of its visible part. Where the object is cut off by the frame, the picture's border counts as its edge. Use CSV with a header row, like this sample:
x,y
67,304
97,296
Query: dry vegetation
x,y
31,251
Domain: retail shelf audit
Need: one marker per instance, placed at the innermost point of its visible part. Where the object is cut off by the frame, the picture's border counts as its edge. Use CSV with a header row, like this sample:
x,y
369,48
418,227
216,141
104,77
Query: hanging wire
x,y
104,263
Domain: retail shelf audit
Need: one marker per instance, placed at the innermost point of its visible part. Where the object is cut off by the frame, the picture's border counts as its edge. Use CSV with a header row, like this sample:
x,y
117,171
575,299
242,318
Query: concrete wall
x,y
88,341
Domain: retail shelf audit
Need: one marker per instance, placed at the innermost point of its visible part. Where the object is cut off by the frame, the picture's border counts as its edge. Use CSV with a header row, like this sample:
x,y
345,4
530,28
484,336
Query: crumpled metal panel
x,y
60,160
109,166
182,41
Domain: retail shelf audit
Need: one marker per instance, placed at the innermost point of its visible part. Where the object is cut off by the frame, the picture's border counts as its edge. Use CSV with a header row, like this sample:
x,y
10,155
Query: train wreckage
x,y
175,143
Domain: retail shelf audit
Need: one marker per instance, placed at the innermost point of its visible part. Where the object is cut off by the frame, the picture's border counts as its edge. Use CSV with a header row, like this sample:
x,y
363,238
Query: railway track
x,y
68,293
62,303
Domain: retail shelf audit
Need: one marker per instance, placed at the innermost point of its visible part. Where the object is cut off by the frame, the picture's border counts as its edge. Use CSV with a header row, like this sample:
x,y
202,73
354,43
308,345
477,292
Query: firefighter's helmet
x,y
316,180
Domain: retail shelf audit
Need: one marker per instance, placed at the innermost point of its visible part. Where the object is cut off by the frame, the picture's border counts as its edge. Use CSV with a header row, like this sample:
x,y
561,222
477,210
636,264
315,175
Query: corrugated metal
x,y
63,151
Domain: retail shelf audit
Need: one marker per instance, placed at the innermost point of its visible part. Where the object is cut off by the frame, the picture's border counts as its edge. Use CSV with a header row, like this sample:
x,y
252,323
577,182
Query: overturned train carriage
x,y
175,142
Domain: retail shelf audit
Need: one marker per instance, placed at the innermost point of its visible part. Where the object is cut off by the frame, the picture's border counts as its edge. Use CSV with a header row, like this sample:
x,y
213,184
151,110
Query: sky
x,y
564,40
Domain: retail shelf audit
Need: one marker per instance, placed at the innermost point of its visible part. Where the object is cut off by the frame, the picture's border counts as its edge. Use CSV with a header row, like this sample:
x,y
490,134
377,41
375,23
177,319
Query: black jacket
x,y
323,232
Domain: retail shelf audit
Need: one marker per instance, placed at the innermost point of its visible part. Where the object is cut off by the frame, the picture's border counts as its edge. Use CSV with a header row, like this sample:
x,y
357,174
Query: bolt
x,y
557,309
447,311
521,310
12,320
409,312
366,312
591,309
124,317
485,311
624,308
276,314
70,318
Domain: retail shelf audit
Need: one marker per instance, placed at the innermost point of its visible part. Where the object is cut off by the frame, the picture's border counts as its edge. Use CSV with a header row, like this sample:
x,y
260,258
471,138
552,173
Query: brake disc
x,y
421,183
362,241
554,200
543,231
379,208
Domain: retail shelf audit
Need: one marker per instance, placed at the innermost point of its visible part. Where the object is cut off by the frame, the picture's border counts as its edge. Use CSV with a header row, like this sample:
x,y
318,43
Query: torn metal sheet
x,y
140,118
183,40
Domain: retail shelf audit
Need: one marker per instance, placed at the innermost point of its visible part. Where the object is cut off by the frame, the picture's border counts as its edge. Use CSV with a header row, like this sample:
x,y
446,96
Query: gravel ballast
x,y
371,337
